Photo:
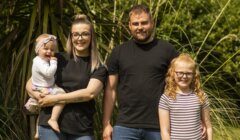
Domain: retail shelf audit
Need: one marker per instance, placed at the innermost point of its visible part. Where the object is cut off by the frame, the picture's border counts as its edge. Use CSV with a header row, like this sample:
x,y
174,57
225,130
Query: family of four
x,y
156,88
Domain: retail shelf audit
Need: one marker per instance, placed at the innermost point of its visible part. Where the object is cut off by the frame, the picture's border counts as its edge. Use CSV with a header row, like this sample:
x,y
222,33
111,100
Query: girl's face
x,y
183,76
81,38
47,51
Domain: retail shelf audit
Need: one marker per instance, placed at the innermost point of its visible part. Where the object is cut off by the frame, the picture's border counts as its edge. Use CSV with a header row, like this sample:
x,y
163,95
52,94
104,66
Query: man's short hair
x,y
138,9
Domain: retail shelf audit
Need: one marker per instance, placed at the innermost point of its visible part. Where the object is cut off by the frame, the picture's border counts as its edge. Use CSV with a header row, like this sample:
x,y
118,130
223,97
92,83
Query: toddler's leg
x,y
32,105
57,109
36,136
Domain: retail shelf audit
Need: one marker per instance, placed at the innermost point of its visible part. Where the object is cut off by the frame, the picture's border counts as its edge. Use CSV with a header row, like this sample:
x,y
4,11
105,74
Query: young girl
x,y
184,107
43,71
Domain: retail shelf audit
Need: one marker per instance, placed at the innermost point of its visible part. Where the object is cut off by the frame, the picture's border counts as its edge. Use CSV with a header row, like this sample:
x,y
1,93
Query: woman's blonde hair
x,y
95,58
170,87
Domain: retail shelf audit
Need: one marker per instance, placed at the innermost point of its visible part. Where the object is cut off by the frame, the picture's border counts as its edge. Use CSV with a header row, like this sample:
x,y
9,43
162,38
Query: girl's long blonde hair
x,y
170,87
95,58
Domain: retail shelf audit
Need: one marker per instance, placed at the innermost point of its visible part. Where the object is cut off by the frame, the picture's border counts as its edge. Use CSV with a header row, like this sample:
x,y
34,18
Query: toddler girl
x,y
43,71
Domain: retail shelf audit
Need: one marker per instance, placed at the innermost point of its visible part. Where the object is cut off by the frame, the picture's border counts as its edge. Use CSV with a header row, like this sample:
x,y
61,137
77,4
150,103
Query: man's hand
x,y
107,132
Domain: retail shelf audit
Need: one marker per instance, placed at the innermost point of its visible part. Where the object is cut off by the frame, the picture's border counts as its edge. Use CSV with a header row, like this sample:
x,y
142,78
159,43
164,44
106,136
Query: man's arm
x,y
108,105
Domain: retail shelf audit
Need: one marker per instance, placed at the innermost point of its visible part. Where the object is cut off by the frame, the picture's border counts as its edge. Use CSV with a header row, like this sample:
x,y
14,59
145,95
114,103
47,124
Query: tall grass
x,y
207,30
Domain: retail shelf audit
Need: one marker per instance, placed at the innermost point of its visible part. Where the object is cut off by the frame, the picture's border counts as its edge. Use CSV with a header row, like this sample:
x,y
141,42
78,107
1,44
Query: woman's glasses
x,y
84,35
181,74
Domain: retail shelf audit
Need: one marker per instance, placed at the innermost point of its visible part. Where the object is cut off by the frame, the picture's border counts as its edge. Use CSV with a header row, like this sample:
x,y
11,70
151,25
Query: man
x,y
137,71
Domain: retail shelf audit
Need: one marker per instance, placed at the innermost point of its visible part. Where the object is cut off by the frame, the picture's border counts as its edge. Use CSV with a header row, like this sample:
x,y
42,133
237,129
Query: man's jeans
x,y
127,133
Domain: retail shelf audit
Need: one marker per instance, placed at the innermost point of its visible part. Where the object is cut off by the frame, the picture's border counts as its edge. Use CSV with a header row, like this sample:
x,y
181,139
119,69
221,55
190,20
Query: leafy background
x,y
207,29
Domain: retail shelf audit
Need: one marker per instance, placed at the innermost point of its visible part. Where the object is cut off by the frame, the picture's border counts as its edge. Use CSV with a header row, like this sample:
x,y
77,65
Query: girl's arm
x,y
82,95
48,70
164,120
207,122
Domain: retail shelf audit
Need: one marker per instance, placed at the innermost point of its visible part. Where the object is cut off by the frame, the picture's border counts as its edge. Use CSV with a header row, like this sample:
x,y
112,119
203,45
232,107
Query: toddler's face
x,y
47,51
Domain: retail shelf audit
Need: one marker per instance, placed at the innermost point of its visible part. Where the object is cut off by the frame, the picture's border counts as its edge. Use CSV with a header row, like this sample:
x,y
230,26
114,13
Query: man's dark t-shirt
x,y
141,70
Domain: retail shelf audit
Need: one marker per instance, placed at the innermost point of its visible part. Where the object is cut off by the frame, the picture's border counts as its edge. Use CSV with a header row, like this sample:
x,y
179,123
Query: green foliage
x,y
209,30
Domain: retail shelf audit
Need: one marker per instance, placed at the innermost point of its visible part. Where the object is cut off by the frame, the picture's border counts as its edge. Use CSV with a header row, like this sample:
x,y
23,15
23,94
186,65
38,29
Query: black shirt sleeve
x,y
112,62
174,54
100,73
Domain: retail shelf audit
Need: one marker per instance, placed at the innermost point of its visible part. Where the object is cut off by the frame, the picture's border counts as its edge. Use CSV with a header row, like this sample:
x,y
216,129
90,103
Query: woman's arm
x,y
207,122
94,87
164,120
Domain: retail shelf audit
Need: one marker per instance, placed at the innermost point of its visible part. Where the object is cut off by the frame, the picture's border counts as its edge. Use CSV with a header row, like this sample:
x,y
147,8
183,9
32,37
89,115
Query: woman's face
x,y
81,38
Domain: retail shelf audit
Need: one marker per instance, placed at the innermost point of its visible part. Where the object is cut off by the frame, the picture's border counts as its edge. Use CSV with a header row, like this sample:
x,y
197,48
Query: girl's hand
x,y
44,91
54,58
48,100
204,132
38,95
42,95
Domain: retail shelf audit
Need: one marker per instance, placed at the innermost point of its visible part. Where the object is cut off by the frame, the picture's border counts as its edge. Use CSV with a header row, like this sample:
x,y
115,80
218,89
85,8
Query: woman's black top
x,y
71,75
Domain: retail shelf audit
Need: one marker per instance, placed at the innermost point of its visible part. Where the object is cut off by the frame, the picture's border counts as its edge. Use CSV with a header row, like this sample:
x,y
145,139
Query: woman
x,y
81,74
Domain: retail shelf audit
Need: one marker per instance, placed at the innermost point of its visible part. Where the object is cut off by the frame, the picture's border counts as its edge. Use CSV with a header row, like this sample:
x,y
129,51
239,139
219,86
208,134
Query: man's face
x,y
141,26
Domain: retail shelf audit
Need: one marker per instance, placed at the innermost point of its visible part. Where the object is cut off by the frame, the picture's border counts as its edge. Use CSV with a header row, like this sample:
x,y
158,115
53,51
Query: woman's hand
x,y
47,100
